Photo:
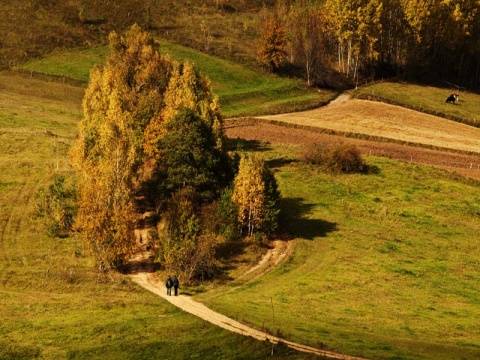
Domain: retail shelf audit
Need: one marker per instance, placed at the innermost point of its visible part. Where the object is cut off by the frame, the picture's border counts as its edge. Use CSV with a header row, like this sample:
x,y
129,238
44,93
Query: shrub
x,y
337,158
56,205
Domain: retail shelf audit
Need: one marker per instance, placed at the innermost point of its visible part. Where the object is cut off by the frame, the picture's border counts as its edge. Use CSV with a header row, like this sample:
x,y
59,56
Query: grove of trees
x,y
152,128
437,40
425,39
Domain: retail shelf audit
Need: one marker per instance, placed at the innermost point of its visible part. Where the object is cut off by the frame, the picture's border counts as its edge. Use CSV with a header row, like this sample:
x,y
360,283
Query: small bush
x,y
56,204
337,158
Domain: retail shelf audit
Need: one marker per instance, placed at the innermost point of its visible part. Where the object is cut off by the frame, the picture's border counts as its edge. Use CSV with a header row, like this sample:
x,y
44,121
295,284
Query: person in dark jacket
x,y
176,284
169,285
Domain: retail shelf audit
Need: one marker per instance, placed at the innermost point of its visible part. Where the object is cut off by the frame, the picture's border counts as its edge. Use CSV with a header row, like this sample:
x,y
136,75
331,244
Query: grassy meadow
x,y
242,91
385,265
53,306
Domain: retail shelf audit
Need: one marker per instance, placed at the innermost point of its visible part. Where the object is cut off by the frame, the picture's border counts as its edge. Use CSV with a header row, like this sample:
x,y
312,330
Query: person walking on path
x,y
175,284
169,285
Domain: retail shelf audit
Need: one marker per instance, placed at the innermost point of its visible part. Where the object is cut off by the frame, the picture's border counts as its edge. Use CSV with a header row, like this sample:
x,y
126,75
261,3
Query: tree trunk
x,y
349,56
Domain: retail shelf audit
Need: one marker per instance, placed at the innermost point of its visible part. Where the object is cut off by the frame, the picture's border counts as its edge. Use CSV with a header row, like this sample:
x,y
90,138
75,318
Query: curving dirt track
x,y
405,134
460,153
278,251
186,303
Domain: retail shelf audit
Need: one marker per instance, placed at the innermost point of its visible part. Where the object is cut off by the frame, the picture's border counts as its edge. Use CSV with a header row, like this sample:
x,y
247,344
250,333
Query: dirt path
x,y
187,304
342,114
280,249
340,99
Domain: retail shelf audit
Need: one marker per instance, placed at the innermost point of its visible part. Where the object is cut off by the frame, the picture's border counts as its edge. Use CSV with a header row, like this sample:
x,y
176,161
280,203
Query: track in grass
x,y
189,305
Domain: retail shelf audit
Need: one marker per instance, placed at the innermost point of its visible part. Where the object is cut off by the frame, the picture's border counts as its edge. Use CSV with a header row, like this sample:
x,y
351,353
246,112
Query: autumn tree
x,y
256,195
150,124
190,123
357,26
121,99
187,90
272,43
307,37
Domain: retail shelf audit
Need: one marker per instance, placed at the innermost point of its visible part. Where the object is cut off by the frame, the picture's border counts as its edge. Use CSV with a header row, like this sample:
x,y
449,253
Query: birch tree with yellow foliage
x,y
187,90
256,195
122,97
127,104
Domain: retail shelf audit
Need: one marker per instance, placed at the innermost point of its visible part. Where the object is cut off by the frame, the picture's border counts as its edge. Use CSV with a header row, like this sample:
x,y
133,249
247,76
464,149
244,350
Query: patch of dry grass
x,y
384,121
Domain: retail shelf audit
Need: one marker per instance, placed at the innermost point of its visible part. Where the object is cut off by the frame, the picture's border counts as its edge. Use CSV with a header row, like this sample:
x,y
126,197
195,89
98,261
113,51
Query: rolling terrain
x,y
376,120
386,263
54,306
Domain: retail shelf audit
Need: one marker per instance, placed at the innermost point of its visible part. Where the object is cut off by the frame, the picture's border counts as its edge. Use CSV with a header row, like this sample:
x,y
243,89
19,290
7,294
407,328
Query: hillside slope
x,y
390,122
406,246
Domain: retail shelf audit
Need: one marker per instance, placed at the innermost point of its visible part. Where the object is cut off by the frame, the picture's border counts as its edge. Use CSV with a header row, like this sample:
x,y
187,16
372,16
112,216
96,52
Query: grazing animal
x,y
453,98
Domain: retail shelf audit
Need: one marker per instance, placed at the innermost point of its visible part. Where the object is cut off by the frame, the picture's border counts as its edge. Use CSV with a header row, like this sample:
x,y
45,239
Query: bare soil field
x,y
396,133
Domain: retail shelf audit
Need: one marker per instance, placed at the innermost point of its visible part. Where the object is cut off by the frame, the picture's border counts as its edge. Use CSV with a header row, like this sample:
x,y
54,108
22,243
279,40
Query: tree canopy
x,y
139,108
368,38
191,158
256,195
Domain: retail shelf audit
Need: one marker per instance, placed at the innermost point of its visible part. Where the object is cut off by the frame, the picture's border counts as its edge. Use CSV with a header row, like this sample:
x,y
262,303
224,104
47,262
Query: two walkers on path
x,y
172,283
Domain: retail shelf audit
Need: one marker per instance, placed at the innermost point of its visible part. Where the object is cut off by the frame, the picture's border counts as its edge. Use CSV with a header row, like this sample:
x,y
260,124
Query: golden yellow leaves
x,y
249,192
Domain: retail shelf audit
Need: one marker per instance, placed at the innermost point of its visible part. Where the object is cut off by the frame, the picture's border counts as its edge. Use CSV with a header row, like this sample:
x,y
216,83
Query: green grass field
x,y
242,91
385,265
52,305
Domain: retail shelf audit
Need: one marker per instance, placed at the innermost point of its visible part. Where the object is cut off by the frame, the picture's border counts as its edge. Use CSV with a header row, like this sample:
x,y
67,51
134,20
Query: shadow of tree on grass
x,y
295,222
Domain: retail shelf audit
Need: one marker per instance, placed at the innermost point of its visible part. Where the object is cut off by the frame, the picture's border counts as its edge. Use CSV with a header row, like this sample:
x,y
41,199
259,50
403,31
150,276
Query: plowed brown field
x,y
399,133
